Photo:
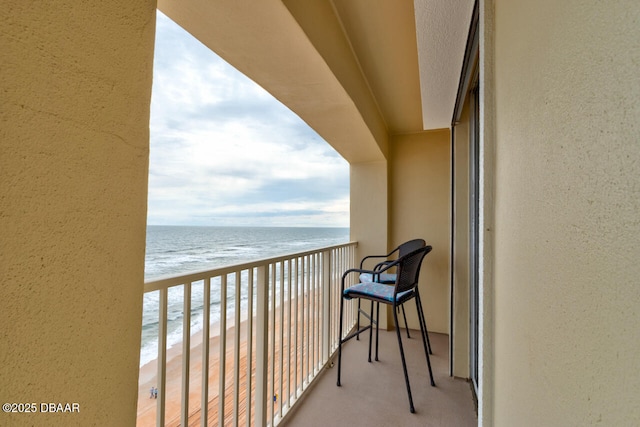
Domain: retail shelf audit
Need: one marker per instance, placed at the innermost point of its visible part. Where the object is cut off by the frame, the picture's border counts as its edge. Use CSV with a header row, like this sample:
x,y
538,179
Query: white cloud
x,y
224,152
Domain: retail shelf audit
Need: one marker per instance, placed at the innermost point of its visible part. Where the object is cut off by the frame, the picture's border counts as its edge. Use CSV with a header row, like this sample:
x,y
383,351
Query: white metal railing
x,y
277,328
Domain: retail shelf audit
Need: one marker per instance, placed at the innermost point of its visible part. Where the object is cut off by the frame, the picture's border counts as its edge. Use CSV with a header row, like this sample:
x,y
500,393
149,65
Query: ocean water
x,y
177,250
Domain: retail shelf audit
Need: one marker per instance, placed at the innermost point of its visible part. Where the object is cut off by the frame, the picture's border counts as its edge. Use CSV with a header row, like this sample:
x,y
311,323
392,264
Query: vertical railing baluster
x,y
347,308
318,314
162,357
186,353
314,310
347,311
331,262
296,318
289,325
281,357
262,343
236,349
223,350
312,324
272,315
334,267
249,343
320,317
326,305
309,320
353,312
206,315
319,304
303,322
337,297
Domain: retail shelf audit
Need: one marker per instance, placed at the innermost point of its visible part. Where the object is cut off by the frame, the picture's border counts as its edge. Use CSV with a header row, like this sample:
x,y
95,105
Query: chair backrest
x,y
410,246
409,269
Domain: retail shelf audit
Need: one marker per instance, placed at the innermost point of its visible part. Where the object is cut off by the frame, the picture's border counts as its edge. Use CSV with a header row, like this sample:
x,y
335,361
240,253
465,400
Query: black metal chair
x,y
390,278
404,289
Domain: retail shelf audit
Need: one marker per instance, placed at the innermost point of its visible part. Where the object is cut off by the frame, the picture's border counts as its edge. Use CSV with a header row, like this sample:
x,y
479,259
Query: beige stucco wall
x,y
76,85
461,255
420,208
318,20
567,198
369,216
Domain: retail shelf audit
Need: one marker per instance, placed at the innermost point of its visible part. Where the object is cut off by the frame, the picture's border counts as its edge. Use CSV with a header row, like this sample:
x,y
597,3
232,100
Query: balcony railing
x,y
277,328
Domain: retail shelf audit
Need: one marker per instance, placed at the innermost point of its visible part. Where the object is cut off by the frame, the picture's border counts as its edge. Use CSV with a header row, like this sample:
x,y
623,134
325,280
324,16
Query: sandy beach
x,y
173,389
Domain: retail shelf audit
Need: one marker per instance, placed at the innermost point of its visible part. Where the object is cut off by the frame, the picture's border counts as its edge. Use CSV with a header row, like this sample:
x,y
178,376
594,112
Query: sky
x,y
224,152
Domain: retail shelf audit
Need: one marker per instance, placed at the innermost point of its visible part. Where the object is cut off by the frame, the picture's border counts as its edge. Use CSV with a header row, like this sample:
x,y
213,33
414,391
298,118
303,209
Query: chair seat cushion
x,y
381,278
376,291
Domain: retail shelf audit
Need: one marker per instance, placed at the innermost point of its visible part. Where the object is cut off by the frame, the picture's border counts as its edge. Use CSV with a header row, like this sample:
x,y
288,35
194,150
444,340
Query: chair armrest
x,y
381,265
390,264
371,257
378,256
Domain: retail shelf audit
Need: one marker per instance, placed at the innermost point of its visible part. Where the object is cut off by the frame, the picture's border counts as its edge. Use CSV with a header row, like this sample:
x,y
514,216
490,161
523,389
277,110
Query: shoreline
x,y
147,407
295,347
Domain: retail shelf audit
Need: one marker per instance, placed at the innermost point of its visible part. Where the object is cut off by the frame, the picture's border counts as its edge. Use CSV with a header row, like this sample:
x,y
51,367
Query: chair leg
x,y
406,325
358,321
371,334
423,322
340,338
425,338
404,364
377,327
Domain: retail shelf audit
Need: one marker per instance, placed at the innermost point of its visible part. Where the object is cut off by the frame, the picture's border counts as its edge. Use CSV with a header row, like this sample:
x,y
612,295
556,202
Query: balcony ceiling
x,y
411,55
357,71
442,27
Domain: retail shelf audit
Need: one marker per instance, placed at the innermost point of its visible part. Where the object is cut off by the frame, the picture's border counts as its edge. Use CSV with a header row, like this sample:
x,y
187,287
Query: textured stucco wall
x,y
420,208
75,89
369,216
320,24
567,223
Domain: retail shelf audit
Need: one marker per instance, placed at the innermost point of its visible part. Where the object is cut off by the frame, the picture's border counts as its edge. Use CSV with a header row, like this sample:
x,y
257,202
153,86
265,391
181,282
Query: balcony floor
x,y
374,394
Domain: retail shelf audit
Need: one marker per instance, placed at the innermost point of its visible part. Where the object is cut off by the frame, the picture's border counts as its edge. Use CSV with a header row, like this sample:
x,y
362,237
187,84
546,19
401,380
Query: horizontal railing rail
x,y
275,325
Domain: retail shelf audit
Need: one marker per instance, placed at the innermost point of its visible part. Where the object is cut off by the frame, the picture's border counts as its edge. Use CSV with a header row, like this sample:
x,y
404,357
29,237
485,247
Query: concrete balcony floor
x,y
374,394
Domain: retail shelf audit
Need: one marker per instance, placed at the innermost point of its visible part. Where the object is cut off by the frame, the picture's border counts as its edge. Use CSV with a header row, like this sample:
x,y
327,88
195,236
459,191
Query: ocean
x,y
177,250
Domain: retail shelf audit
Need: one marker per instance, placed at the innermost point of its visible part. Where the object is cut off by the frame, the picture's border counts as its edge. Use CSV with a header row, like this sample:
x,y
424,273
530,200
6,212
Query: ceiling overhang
x,y
357,71
442,27
265,42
